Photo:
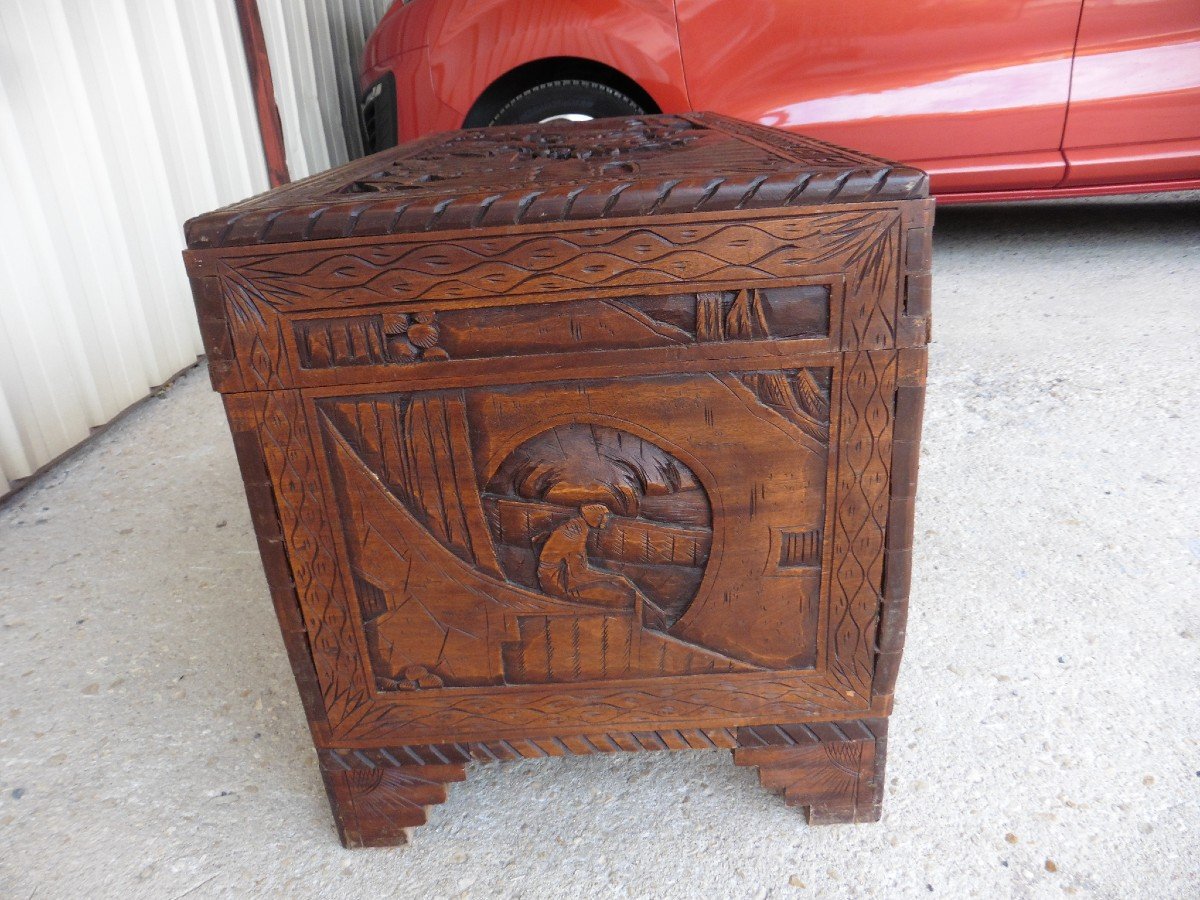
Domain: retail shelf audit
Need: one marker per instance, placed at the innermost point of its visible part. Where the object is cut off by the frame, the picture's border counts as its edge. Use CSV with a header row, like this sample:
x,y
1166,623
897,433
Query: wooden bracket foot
x,y
380,807
835,770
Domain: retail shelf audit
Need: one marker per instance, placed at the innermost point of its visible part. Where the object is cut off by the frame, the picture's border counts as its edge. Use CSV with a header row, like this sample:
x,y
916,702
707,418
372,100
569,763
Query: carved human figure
x,y
564,570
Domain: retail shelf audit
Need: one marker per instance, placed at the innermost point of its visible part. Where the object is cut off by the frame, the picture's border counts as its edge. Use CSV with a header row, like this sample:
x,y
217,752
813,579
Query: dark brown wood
x,y
258,64
380,806
834,770
580,439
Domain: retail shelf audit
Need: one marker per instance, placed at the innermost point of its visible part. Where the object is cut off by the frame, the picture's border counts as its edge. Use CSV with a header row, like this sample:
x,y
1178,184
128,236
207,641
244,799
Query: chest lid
x,y
604,169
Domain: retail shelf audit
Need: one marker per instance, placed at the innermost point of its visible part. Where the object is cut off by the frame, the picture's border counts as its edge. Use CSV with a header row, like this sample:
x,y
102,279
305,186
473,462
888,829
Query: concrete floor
x,y
1046,740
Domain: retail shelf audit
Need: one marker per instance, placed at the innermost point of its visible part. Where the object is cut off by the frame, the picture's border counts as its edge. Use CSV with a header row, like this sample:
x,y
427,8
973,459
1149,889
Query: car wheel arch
x,y
554,68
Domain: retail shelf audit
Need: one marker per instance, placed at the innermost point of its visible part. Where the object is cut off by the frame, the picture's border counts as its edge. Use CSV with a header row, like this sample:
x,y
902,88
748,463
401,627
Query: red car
x,y
997,99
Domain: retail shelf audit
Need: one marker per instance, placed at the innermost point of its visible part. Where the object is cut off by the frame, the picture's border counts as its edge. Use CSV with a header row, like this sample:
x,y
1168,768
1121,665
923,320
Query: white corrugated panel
x,y
315,47
119,119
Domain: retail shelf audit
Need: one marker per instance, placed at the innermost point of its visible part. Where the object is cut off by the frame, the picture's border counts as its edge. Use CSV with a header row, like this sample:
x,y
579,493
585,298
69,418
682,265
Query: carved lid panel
x,y
605,169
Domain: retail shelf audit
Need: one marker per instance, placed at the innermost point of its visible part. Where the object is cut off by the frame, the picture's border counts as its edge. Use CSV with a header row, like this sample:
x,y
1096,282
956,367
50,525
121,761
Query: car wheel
x,y
569,100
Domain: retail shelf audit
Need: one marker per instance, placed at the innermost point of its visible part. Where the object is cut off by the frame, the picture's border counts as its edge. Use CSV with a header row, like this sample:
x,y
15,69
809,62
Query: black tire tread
x,y
635,109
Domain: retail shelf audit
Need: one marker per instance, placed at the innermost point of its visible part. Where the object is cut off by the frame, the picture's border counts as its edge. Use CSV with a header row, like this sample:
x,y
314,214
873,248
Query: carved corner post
x,y
833,769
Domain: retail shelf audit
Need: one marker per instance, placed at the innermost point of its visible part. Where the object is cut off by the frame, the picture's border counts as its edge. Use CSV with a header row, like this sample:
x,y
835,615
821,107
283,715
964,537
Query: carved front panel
x,y
586,530
601,479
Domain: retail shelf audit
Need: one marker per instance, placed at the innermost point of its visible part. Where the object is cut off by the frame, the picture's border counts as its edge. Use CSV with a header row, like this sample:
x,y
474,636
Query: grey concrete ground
x,y
1045,741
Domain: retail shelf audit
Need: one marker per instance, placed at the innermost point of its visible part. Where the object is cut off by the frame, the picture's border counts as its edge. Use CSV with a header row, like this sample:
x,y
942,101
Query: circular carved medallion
x,y
603,517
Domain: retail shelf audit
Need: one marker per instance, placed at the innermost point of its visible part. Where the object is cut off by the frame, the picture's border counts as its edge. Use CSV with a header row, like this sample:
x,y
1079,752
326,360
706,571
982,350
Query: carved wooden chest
x,y
581,439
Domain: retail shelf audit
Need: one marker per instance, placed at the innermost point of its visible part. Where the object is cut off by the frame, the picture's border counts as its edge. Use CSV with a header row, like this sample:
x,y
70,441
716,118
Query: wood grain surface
x,y
576,439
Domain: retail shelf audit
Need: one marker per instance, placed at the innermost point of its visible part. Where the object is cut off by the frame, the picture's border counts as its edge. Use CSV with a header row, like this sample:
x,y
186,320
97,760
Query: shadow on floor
x,y
1172,214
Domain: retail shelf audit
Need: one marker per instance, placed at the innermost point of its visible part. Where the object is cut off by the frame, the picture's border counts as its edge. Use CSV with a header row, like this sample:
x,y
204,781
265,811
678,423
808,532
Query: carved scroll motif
x,y
613,261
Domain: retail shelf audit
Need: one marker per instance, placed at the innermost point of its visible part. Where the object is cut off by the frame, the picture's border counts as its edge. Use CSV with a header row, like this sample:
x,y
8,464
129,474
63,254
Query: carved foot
x,y
380,807
833,769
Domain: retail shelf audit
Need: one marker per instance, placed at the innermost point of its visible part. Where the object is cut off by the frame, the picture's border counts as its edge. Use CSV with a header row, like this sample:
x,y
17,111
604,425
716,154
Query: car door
x,y
974,91
1135,94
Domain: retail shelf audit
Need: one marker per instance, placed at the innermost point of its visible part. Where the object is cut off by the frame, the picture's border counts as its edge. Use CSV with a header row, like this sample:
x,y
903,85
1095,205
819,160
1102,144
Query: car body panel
x,y
1135,95
964,90
995,99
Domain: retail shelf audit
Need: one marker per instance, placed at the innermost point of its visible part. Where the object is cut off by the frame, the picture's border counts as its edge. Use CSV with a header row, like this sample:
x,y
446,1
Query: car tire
x,y
571,100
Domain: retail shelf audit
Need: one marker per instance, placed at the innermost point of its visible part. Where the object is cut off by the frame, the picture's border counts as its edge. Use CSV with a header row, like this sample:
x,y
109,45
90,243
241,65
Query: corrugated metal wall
x,y
119,119
315,47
